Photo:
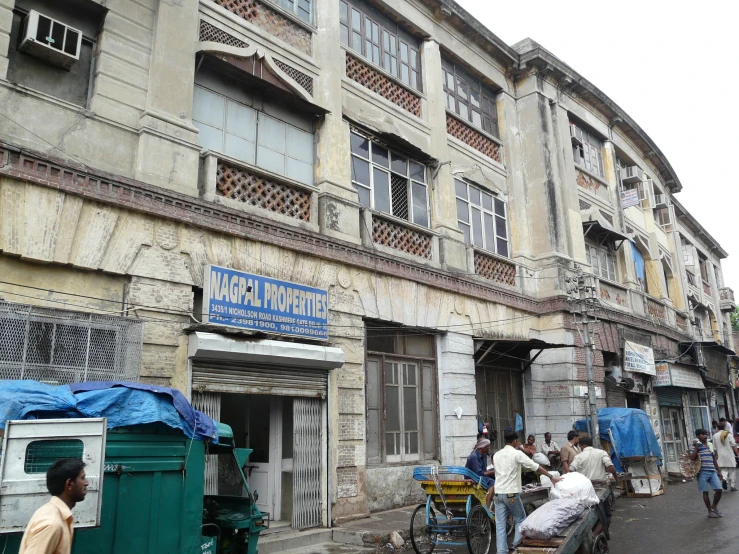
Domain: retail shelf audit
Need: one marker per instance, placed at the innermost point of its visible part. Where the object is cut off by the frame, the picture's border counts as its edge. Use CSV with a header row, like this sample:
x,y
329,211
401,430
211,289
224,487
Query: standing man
x,y
707,477
569,450
50,529
724,425
508,463
593,463
477,462
725,448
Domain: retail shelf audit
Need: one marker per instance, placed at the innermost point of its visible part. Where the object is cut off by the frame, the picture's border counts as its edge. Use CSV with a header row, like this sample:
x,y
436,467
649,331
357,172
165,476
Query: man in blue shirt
x,y
477,462
710,474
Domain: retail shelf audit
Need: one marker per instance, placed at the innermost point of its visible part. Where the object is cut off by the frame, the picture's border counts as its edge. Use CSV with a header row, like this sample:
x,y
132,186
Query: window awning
x,y
511,352
598,228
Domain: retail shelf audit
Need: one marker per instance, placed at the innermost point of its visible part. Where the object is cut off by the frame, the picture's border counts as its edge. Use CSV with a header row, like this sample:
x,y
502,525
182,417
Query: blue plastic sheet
x,y
632,433
120,402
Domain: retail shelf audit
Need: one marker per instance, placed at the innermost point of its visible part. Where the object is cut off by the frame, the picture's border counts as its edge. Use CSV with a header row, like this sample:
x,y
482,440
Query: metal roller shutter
x,y
259,379
669,396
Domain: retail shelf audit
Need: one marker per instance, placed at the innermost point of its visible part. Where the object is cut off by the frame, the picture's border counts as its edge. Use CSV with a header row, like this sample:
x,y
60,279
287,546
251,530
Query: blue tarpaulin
x,y
632,433
120,402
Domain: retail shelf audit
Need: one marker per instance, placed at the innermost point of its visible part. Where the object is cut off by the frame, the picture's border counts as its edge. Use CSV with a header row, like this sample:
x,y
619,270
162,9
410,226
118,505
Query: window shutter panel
x,y
374,393
428,414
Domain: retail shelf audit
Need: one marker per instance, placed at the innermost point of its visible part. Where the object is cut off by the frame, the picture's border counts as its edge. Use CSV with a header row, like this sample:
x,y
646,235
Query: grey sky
x,y
672,66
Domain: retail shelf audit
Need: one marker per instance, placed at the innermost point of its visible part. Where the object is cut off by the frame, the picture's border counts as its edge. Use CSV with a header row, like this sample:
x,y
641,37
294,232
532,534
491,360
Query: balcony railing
x,y
474,138
378,82
727,299
691,278
407,238
495,269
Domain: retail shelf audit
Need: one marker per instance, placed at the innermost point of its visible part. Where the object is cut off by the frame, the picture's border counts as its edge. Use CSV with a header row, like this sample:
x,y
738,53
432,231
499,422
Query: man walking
x,y
725,448
710,473
50,529
569,450
595,464
508,463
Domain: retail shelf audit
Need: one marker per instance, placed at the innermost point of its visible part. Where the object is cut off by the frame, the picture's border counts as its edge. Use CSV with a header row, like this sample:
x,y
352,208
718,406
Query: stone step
x,y
290,540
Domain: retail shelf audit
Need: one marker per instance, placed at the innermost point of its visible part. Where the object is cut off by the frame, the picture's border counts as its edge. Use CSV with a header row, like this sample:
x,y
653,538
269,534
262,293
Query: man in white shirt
x,y
593,463
548,446
725,448
508,463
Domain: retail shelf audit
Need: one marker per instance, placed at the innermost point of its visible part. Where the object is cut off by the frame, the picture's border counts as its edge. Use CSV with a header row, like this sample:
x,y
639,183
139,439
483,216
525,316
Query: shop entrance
x,y
499,401
673,429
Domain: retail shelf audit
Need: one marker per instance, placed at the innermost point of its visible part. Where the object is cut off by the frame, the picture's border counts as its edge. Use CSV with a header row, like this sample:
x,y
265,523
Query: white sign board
x,y
686,377
29,449
582,390
662,378
630,198
638,358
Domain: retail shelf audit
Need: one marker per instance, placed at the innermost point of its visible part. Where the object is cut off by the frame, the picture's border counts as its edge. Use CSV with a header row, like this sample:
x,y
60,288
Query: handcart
x,y
455,513
578,537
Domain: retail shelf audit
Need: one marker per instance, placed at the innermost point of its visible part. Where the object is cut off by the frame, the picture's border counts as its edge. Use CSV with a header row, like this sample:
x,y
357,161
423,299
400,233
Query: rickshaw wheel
x,y
479,531
422,538
600,545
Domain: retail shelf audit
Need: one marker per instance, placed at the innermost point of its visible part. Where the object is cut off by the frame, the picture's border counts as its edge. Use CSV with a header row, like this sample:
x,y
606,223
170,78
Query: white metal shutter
x,y
210,404
259,379
306,463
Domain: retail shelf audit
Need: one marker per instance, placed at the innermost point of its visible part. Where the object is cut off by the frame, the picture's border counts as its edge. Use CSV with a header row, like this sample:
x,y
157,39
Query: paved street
x,y
674,523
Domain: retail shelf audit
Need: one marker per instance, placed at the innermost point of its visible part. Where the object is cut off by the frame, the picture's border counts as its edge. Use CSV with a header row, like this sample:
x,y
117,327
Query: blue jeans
x,y
505,505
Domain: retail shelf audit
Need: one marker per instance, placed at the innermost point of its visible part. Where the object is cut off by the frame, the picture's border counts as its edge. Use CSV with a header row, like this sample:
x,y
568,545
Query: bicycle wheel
x,y
422,538
479,531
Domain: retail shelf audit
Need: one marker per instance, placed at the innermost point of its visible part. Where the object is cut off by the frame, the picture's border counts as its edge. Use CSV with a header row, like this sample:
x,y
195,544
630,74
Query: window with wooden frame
x,y
302,8
588,152
482,218
469,99
376,38
602,260
402,421
388,181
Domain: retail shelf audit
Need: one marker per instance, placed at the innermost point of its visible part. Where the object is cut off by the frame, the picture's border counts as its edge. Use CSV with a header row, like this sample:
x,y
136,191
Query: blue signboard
x,y
248,301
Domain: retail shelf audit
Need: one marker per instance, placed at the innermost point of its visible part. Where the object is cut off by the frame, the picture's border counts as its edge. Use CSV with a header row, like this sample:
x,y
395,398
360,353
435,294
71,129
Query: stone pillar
x,y
6,20
338,204
168,153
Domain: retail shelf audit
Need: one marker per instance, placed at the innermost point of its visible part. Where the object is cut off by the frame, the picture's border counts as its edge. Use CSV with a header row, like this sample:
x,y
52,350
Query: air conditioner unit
x,y
50,40
576,134
631,174
647,194
661,200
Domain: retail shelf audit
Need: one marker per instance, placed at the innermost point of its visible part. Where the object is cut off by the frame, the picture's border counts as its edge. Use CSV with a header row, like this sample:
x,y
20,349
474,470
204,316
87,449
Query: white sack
x,y
550,519
541,459
577,486
546,481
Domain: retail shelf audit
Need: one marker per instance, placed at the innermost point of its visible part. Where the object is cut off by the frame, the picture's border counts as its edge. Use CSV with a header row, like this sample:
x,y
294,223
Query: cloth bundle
x,y
576,486
550,519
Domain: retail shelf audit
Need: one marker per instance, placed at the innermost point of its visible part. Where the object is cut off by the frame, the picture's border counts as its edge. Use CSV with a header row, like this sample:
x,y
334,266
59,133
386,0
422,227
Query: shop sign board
x,y
638,358
662,377
630,198
582,390
254,302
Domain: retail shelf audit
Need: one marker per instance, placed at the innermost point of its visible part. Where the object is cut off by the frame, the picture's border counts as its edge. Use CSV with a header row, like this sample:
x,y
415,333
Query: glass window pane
x,y
356,20
385,40
420,204
502,247
450,81
364,195
466,232
476,118
304,10
380,155
403,52
209,137
360,171
404,73
376,54
345,35
272,133
270,160
343,12
418,171
241,121
394,66
393,45
414,58
300,171
208,107
451,102
357,42
500,227
359,145
487,201
477,227
463,211
462,89
499,207
474,196
392,408
238,148
386,63
489,232
382,190
375,33
460,187
410,408
399,164
475,97
463,111
299,144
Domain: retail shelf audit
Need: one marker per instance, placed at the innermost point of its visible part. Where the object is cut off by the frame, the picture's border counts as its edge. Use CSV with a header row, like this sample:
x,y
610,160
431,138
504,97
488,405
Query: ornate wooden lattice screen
x,y
305,81
307,498
253,189
383,85
211,33
473,138
494,269
394,235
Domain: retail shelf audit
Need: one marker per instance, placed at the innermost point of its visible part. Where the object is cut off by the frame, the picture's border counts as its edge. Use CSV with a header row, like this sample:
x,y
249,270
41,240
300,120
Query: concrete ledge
x,y
288,540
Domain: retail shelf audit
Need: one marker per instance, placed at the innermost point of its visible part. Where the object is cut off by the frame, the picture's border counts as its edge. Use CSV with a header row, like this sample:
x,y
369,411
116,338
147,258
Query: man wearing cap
x,y
477,462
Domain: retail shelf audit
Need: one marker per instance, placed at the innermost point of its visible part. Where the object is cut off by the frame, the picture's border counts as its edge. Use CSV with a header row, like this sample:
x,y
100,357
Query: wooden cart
x,y
578,537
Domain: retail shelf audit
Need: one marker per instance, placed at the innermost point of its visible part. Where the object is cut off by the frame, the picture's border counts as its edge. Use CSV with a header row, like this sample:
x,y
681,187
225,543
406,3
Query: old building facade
x,y
429,188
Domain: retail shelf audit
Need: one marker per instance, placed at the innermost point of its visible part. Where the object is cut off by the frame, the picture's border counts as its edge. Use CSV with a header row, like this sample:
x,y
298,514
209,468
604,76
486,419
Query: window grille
x,y
469,99
61,347
482,218
380,41
589,153
389,182
41,454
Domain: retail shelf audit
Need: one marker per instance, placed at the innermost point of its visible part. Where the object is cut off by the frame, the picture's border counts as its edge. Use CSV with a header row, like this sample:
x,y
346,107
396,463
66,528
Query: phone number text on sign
x,y
249,301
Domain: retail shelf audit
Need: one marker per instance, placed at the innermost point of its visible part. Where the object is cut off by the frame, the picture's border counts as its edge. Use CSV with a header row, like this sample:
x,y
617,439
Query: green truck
x,y
160,493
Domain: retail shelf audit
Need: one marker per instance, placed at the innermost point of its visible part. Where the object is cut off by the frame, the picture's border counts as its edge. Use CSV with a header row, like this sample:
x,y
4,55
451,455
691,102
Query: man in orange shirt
x,y
50,530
